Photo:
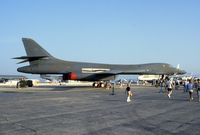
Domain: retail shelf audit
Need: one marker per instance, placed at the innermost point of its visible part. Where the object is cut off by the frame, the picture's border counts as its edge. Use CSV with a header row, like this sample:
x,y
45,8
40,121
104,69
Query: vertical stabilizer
x,y
33,49
34,52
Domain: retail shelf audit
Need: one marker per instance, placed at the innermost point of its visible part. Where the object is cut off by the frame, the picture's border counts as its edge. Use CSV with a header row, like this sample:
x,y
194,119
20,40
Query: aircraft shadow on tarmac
x,y
15,92
62,88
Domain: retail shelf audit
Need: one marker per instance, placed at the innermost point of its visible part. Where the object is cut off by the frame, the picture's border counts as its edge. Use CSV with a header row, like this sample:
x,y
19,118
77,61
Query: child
x,y
129,94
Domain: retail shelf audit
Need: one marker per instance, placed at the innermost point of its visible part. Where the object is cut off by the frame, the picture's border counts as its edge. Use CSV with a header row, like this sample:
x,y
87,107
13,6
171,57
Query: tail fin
x,y
34,51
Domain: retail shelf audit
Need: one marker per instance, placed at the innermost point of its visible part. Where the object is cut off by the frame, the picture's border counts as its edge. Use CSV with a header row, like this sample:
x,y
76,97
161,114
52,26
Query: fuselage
x,y
84,70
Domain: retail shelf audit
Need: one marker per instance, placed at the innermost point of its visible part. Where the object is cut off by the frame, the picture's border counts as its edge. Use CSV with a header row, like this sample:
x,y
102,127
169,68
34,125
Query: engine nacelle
x,y
87,77
70,76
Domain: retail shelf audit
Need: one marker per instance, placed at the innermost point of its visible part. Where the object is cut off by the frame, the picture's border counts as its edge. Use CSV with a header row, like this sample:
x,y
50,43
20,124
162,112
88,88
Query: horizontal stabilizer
x,y
29,58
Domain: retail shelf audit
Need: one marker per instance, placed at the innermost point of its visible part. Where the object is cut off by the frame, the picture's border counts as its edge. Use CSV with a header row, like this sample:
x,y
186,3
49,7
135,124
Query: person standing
x,y
177,84
198,89
169,85
190,90
185,85
161,86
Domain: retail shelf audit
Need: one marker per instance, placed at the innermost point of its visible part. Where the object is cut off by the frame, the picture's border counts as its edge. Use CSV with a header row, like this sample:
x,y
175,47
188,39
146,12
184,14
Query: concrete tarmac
x,y
90,111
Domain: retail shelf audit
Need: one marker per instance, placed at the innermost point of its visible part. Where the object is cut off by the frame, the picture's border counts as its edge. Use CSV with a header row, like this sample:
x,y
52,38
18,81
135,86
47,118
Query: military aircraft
x,y
41,62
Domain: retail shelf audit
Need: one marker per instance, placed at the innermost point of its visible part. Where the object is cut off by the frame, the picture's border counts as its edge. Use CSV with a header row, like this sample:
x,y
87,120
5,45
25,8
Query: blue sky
x,y
103,31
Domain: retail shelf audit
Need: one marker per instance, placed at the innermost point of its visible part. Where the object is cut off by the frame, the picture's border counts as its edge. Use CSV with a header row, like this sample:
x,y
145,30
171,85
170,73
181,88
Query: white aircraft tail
x,y
178,66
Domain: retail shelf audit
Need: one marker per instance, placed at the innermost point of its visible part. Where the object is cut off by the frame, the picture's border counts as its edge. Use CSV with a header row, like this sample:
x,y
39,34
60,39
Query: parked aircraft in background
x,y
5,78
41,62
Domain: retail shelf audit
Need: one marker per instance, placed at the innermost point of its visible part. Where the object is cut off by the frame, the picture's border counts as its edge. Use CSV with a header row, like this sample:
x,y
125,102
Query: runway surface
x,y
90,111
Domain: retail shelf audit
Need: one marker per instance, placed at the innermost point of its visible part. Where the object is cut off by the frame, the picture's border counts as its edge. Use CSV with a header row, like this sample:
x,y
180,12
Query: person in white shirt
x,y
129,94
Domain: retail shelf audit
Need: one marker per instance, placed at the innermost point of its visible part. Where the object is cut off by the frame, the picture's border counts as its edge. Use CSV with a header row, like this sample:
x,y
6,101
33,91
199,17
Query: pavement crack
x,y
26,128
187,123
